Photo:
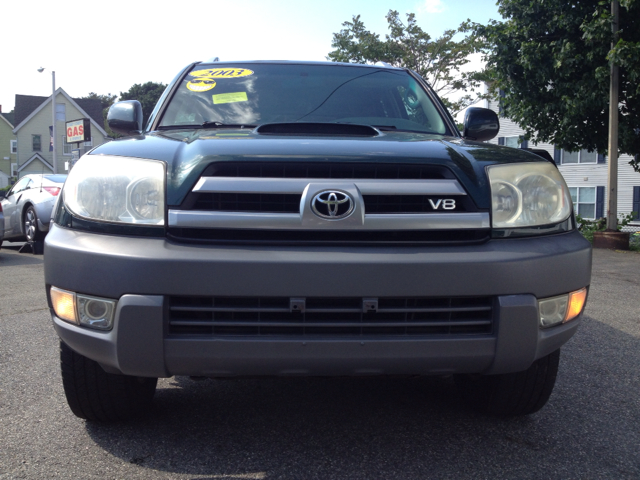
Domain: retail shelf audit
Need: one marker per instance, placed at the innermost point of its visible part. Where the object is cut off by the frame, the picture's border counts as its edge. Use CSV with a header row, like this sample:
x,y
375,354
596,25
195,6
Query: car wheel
x,y
31,230
94,394
512,394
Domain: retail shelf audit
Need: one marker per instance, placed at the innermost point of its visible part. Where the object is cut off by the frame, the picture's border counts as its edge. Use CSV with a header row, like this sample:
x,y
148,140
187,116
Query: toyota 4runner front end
x,y
280,218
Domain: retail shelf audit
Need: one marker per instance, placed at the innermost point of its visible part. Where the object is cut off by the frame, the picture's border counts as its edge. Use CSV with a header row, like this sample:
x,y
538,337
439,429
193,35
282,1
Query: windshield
x,y
218,95
56,178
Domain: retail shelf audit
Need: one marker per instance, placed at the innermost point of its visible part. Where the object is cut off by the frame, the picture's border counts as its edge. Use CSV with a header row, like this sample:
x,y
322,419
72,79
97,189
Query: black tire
x,y
30,224
512,394
94,394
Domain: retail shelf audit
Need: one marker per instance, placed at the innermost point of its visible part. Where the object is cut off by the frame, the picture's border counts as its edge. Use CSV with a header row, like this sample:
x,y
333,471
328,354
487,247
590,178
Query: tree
x,y
438,61
105,101
551,62
147,94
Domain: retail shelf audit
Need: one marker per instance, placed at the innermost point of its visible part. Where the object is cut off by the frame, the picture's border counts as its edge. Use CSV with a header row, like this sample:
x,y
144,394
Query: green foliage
x,y
147,94
551,59
439,61
589,227
634,242
106,101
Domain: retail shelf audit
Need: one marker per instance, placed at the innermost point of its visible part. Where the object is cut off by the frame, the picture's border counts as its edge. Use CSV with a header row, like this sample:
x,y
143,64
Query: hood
x,y
188,152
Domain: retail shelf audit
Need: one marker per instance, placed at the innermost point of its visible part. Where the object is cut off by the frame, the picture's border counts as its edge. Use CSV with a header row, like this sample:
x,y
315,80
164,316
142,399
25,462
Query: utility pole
x,y
53,119
53,132
612,184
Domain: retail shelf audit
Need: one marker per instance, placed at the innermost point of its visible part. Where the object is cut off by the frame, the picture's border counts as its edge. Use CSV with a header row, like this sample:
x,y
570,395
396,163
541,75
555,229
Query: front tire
x,y
94,394
512,394
31,230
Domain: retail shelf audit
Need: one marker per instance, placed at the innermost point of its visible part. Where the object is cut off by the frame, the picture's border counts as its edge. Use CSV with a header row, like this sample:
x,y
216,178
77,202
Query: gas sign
x,y
78,130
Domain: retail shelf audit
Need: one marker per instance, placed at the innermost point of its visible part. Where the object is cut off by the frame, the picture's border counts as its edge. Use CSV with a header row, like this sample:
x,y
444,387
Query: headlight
x,y
527,195
84,310
117,189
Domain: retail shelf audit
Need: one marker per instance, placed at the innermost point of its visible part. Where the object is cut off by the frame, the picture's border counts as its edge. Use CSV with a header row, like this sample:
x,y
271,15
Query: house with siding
x,y
33,118
586,173
8,148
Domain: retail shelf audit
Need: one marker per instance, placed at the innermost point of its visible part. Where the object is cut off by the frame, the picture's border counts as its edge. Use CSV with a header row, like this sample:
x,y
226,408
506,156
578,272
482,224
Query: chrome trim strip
x,y
198,219
426,221
297,185
293,221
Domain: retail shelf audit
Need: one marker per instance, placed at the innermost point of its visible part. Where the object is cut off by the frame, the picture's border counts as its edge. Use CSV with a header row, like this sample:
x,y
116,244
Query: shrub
x,y
589,227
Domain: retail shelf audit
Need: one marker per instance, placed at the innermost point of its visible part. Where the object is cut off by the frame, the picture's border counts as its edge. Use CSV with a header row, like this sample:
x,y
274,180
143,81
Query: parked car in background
x,y
1,225
27,207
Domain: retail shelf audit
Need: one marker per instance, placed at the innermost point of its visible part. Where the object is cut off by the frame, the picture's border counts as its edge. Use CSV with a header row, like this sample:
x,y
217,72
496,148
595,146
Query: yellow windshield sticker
x,y
230,97
222,73
201,84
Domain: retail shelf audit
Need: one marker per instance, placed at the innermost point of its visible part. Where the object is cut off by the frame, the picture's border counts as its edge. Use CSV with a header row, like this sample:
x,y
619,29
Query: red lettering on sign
x,y
81,130
75,131
69,132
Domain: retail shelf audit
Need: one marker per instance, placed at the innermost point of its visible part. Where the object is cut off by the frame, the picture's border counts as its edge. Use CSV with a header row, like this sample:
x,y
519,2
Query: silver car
x,y
1,224
27,206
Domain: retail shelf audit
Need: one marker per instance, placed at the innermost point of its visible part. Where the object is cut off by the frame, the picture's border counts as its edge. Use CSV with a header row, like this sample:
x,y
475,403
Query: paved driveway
x,y
327,428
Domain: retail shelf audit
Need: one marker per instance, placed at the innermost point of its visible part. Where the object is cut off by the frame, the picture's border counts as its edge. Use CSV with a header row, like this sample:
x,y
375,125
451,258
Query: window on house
x,y
36,143
60,112
66,147
515,141
512,142
584,201
14,146
583,156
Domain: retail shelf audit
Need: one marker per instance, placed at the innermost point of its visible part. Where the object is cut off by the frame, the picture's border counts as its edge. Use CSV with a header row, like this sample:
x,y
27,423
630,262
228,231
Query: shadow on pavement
x,y
393,427
10,256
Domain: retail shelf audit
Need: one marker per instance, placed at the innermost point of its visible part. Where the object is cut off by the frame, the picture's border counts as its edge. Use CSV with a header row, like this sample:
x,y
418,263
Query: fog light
x,y
561,309
552,310
577,300
95,312
84,310
64,304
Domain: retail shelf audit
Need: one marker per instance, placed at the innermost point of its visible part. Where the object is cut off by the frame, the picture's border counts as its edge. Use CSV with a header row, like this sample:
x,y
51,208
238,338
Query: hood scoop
x,y
308,128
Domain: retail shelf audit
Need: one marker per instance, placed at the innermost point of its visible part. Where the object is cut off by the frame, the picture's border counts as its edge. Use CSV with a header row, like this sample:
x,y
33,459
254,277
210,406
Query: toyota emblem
x,y
332,205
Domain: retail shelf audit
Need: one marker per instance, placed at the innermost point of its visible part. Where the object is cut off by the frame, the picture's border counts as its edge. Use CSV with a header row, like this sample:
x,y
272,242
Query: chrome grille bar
x,y
292,221
297,185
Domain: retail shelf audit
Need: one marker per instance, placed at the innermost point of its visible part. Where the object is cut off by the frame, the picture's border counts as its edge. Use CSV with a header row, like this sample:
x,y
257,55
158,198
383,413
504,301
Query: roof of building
x,y
26,104
35,156
9,117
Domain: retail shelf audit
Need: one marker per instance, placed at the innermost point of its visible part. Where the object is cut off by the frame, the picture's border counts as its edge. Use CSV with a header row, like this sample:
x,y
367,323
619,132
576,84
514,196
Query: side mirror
x,y
480,124
125,117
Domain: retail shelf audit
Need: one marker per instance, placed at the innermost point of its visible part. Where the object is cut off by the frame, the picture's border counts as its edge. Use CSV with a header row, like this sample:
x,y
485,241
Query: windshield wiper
x,y
225,125
206,125
391,128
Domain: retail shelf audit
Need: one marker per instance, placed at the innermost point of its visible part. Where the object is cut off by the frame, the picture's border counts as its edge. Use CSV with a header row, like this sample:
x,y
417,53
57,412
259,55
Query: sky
x,y
106,47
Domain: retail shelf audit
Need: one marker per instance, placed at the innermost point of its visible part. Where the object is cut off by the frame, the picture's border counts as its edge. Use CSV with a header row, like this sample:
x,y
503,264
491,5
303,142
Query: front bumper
x,y
141,272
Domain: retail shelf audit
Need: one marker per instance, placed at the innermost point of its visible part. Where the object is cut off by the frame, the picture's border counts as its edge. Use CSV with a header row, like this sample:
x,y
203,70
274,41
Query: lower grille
x,y
338,317
328,237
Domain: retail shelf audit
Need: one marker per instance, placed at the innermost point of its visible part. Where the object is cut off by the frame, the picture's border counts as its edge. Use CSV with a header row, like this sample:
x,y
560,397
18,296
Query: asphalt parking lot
x,y
363,428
